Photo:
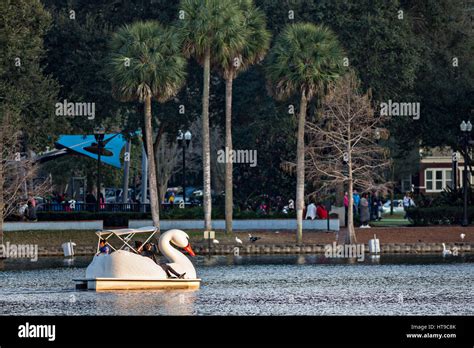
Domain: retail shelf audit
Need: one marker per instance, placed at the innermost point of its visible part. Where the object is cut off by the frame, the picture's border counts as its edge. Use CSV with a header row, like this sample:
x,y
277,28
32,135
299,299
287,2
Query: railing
x,y
107,207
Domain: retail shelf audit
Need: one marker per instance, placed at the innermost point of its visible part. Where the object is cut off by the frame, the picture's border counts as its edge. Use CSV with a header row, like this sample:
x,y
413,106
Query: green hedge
x,y
442,215
122,218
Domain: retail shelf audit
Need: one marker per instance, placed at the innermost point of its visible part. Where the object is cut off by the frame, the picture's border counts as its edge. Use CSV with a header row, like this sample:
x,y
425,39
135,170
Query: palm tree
x,y
257,42
304,59
146,63
209,27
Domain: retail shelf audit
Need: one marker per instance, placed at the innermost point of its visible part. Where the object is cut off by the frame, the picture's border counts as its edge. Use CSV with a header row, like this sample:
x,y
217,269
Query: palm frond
x,y
214,25
146,60
305,58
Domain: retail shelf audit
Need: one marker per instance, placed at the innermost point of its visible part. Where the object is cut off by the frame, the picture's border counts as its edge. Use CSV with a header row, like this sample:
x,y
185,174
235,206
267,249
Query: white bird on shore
x,y
215,241
446,251
462,235
238,240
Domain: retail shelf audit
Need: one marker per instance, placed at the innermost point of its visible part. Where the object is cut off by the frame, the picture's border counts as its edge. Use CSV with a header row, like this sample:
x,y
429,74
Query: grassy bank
x,y
88,237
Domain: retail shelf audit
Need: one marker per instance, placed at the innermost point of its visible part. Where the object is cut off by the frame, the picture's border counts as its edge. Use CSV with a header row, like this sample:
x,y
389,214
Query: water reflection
x,y
156,302
374,258
301,260
68,262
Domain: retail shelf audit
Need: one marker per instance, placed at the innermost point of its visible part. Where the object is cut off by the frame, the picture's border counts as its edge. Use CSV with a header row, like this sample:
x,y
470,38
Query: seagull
x,y
253,239
215,241
446,251
462,235
238,240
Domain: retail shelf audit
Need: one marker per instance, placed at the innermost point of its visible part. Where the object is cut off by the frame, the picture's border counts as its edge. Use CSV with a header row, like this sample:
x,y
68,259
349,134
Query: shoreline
x,y
279,249
409,240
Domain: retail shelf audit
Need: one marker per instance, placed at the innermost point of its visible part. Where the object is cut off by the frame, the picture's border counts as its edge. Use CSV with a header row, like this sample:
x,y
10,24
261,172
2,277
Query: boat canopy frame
x,y
125,235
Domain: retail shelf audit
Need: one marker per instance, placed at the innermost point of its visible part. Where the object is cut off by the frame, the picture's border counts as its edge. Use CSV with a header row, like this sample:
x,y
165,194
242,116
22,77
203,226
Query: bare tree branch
x,y
343,146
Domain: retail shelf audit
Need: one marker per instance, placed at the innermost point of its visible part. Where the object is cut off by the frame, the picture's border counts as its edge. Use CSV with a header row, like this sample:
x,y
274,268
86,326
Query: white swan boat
x,y
125,269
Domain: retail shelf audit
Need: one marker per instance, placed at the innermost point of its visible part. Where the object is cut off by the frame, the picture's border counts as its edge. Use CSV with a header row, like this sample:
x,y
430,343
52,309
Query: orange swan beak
x,y
189,250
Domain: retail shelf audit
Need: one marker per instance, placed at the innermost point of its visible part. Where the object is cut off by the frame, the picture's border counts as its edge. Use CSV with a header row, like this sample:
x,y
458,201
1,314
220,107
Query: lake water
x,y
255,285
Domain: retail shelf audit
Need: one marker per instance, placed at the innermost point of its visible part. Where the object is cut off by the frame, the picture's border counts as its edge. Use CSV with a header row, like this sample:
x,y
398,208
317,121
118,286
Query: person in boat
x,y
149,250
138,246
170,272
103,247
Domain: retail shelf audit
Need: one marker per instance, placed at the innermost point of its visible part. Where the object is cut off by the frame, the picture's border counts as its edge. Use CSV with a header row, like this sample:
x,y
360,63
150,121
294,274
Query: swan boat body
x,y
125,269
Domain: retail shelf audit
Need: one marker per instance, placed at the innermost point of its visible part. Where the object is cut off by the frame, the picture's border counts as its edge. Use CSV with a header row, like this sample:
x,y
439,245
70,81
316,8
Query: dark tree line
x,y
401,50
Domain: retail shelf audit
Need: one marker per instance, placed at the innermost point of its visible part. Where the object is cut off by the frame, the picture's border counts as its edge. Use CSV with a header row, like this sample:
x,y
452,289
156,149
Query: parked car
x,y
139,196
397,206
110,195
189,200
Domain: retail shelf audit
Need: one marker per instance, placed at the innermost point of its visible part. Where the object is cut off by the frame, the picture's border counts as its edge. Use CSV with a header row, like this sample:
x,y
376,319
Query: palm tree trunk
x,y
300,170
161,187
154,204
229,165
206,148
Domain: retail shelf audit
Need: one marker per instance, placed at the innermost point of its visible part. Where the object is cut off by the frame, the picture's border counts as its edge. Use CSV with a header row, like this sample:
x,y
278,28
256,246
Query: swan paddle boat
x,y
124,268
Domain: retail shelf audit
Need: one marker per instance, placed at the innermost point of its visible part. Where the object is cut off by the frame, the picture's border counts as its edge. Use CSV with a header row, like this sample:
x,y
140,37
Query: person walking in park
x,y
321,211
171,199
407,203
356,200
31,208
379,208
364,211
346,207
102,201
311,211
374,207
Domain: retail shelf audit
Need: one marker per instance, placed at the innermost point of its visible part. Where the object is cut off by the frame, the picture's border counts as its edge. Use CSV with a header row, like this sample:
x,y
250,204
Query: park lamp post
x,y
99,134
183,140
466,132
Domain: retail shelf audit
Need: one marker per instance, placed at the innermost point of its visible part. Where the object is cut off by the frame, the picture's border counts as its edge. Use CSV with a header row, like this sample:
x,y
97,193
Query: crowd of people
x,y
369,206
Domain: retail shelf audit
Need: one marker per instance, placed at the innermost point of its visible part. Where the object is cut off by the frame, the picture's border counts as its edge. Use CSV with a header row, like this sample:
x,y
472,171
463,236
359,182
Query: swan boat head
x,y
181,240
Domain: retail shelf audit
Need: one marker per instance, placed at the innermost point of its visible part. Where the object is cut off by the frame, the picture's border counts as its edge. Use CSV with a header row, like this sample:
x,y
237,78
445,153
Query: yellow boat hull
x,y
105,284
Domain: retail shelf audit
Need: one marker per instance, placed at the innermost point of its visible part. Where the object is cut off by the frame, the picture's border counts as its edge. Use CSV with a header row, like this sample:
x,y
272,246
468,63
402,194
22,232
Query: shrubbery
x,y
448,197
440,215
